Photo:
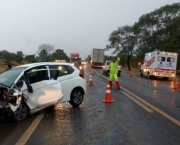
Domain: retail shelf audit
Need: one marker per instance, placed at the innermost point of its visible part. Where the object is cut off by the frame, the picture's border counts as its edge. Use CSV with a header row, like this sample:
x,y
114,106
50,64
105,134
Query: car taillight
x,y
81,74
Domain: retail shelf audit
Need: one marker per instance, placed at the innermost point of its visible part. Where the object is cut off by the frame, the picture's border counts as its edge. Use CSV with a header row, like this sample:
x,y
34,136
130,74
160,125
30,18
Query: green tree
x,y
5,55
88,58
30,58
59,54
44,52
19,56
124,42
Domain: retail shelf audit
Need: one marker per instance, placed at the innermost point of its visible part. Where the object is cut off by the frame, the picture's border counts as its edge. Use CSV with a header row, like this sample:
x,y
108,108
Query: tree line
x,y
157,30
45,53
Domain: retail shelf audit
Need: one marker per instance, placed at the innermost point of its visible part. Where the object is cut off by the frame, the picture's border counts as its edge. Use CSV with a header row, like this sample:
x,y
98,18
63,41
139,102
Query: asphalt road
x,y
144,112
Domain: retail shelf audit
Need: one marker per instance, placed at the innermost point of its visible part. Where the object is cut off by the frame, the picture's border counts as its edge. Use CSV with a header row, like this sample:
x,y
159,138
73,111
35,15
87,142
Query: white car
x,y
106,71
29,88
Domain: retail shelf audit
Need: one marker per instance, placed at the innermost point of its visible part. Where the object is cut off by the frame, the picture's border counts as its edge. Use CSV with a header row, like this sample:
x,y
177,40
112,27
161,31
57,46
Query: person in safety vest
x,y
113,67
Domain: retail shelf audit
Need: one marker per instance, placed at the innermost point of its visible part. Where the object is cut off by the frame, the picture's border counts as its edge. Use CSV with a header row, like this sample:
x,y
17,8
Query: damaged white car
x,y
29,88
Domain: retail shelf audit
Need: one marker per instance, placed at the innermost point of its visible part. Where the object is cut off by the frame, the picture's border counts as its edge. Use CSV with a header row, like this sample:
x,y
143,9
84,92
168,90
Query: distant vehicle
x,y
74,57
107,72
83,62
29,88
97,57
59,60
79,66
159,64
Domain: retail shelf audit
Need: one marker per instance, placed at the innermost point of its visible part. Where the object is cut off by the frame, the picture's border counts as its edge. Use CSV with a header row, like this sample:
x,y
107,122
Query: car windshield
x,y
7,78
108,62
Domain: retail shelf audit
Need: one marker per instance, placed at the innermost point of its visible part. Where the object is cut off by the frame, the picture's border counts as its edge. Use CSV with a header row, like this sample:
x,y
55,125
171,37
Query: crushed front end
x,y
9,100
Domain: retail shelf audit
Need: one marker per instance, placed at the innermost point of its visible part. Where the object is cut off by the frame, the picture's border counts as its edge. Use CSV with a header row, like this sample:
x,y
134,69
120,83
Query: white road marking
x,y
30,129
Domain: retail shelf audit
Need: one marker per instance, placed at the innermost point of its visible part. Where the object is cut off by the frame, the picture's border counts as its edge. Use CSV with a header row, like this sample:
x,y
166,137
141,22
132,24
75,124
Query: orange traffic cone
x,y
92,72
176,85
89,68
131,75
90,81
108,97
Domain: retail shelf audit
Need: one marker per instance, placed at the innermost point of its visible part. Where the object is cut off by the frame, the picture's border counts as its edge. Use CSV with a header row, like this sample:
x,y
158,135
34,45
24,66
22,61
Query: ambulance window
x,y
170,59
160,58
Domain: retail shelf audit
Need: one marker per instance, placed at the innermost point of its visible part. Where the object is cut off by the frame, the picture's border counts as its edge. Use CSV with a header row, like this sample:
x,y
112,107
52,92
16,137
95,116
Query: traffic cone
x,y
176,85
131,75
108,97
90,81
89,68
92,72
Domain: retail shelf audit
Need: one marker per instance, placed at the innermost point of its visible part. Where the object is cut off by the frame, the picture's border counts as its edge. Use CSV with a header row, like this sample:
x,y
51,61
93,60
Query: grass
x,y
3,63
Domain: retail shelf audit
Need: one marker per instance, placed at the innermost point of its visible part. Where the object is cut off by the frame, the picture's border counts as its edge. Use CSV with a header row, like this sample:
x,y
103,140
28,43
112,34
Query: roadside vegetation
x,y
157,30
13,63
45,53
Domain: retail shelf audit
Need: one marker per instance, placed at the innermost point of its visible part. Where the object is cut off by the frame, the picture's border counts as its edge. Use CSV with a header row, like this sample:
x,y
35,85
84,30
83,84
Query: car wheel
x,y
119,73
76,97
21,113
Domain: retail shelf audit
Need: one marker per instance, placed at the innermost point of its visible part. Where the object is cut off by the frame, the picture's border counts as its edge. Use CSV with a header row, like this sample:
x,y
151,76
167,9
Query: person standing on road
x,y
113,67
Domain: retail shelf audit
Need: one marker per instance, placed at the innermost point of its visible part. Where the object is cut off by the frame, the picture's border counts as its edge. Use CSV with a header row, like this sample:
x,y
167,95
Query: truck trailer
x,y
97,57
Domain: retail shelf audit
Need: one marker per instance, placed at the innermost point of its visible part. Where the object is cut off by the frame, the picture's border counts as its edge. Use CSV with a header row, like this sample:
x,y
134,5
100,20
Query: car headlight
x,y
80,67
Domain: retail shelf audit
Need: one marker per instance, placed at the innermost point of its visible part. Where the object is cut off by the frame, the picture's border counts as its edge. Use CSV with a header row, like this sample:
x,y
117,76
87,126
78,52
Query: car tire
x,y
21,113
76,97
119,73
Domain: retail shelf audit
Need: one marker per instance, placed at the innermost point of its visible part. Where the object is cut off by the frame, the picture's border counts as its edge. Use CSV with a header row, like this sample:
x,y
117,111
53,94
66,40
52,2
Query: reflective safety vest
x,y
113,67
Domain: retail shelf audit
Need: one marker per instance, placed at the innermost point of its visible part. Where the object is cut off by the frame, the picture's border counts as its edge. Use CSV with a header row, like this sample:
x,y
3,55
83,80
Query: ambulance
x,y
159,64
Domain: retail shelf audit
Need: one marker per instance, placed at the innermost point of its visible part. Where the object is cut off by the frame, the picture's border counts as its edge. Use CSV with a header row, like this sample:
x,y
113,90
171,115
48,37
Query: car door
x,y
60,73
45,91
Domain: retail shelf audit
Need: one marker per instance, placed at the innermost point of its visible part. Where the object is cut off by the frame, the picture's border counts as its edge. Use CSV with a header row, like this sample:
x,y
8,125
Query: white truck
x,y
107,72
97,57
159,64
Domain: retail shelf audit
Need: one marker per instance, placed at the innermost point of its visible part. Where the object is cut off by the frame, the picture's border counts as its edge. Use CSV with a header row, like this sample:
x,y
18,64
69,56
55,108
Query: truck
x,y
97,57
159,64
107,72
74,57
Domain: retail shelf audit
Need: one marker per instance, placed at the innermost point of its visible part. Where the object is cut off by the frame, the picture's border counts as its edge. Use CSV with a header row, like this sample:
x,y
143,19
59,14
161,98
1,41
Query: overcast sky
x,y
71,25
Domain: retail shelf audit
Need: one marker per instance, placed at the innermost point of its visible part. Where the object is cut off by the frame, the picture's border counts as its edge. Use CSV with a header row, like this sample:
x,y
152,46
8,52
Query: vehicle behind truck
x,y
107,72
159,64
97,57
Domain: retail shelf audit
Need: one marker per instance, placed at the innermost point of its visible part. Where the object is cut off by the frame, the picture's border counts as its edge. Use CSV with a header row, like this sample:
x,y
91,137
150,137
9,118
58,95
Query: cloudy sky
x,y
71,25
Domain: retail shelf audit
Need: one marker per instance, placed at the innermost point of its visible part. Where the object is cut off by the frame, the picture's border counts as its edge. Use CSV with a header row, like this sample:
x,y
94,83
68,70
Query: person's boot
x,y
110,83
117,85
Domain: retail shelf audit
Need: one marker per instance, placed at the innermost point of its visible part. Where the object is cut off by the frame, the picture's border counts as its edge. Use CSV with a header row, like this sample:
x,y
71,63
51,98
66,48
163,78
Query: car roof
x,y
43,63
